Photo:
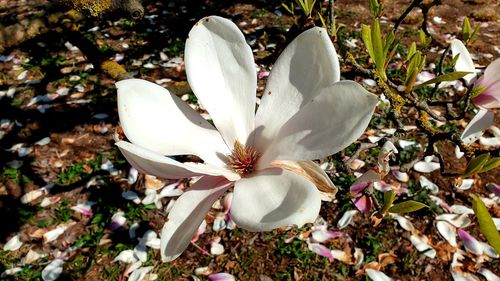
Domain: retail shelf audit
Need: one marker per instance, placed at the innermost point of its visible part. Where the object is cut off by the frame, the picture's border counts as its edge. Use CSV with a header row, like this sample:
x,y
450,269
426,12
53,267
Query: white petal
x,y
320,250
426,183
220,70
459,275
477,125
346,219
464,62
140,273
455,220
153,118
460,209
470,243
140,252
32,256
448,232
465,184
422,245
458,152
488,250
216,249
53,270
11,271
221,277
161,166
490,276
126,256
307,65
404,222
327,124
13,244
187,214
426,167
274,198
376,275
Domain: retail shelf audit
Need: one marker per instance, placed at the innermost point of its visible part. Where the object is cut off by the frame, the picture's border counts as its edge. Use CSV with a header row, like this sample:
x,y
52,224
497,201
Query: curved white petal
x,y
153,118
464,62
492,74
376,275
477,125
307,65
155,164
327,124
221,71
188,213
274,198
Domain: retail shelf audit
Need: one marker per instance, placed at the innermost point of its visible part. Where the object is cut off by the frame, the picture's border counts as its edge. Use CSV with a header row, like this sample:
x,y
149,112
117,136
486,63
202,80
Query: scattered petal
x,y
13,244
470,243
320,250
53,270
426,183
448,232
221,277
376,275
346,219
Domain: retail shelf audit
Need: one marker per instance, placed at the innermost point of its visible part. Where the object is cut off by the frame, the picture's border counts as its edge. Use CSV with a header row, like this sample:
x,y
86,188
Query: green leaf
x,y
411,51
374,8
466,29
486,224
407,207
389,197
389,39
445,77
367,39
491,164
378,49
476,164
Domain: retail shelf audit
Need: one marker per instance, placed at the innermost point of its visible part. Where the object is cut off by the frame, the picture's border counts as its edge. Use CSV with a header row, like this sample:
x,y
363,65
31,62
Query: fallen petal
x,y
426,183
426,167
221,277
126,256
470,243
53,270
346,219
448,232
490,276
320,250
376,275
13,244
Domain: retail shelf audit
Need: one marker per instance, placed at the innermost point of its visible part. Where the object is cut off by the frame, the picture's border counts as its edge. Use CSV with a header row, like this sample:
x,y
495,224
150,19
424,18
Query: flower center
x,y
243,159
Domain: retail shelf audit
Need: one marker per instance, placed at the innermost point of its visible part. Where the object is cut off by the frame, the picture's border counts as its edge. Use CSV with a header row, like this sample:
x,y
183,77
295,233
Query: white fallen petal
x,y
131,195
460,209
448,232
216,249
151,197
132,230
140,273
33,195
407,145
223,276
118,220
11,271
52,235
53,270
470,243
32,256
219,222
465,184
426,183
488,250
320,250
422,245
376,275
204,271
132,175
341,256
426,167
346,219
400,176
460,221
458,153
126,256
489,141
490,276
43,141
13,244
140,252
404,222
358,256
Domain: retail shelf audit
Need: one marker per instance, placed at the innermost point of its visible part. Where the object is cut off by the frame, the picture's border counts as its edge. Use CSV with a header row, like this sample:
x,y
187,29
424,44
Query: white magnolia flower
x,y
305,114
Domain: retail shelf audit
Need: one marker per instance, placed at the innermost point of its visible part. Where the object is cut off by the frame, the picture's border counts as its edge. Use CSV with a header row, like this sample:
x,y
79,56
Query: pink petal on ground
x,y
363,203
470,243
200,231
320,250
321,234
221,277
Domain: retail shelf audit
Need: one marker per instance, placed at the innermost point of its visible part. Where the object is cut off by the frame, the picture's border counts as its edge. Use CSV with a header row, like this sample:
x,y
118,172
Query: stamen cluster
x,y
243,159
